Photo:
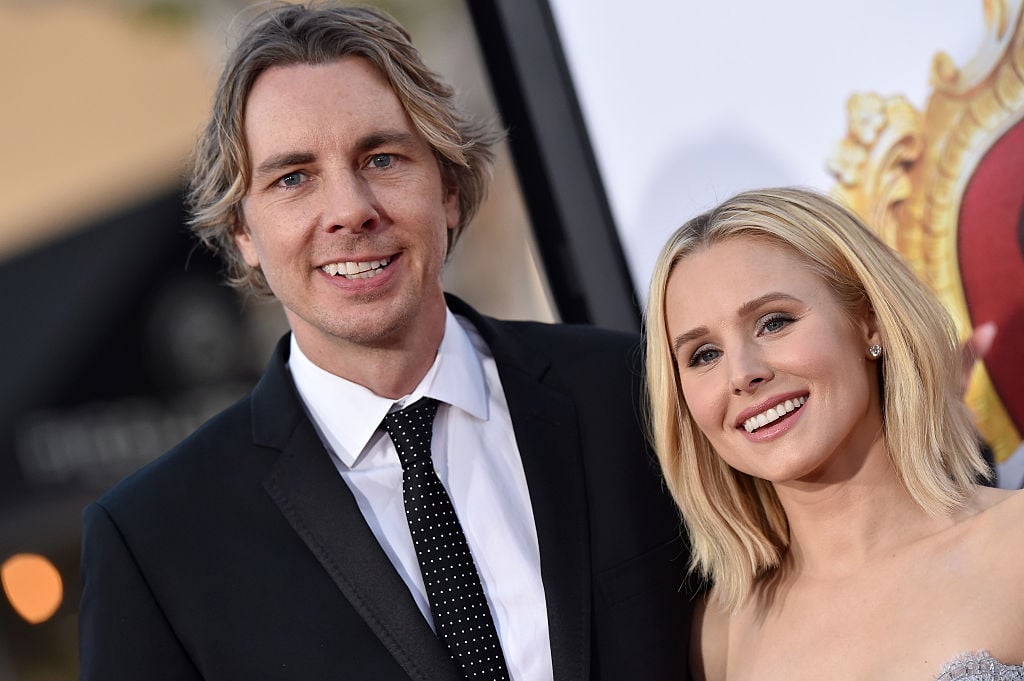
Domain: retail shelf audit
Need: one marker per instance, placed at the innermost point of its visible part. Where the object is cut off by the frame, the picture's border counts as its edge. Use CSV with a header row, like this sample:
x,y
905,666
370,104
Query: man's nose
x,y
349,203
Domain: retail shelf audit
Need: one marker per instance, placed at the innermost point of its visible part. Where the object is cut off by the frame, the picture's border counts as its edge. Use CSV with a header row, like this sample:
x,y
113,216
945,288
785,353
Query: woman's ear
x,y
874,337
867,323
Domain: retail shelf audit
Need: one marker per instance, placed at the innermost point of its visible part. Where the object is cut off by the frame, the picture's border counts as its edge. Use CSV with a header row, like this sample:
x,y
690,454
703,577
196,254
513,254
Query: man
x,y
275,542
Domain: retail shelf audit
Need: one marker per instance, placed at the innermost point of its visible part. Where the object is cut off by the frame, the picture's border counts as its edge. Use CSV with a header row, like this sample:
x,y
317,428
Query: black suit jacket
x,y
241,554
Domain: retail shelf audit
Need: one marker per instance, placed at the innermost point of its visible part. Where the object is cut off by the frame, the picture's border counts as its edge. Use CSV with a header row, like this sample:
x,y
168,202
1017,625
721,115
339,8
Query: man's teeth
x,y
356,270
773,414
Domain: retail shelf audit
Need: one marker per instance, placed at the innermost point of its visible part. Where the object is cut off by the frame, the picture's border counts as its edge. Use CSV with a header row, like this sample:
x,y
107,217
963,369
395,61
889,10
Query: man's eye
x,y
291,180
380,161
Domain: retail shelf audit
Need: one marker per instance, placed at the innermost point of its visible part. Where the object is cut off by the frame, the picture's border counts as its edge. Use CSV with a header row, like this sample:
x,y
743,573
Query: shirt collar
x,y
347,414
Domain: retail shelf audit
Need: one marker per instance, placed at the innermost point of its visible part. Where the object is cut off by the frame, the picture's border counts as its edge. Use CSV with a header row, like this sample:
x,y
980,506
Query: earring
x,y
875,351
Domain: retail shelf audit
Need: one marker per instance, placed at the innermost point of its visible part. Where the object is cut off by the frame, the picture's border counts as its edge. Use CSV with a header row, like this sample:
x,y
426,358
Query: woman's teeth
x,y
773,414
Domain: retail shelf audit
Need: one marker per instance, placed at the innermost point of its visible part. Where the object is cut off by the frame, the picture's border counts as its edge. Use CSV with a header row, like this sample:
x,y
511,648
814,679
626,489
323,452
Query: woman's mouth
x,y
773,414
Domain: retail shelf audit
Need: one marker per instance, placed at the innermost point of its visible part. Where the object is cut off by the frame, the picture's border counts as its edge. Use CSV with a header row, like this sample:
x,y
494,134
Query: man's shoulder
x,y
547,336
574,339
190,464
583,360
595,334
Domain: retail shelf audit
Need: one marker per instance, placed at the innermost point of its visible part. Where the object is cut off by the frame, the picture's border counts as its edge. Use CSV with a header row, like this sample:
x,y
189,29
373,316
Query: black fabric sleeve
x,y
123,633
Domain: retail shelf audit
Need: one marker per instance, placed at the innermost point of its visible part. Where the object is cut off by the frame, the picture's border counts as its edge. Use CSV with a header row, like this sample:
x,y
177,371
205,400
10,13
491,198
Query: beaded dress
x,y
980,667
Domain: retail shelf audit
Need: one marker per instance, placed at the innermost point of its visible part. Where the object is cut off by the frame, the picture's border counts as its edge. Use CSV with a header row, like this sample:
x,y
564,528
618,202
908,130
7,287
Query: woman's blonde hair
x,y
737,526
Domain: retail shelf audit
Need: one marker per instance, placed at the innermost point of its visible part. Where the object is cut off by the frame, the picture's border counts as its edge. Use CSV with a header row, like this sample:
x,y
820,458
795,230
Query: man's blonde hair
x,y
287,34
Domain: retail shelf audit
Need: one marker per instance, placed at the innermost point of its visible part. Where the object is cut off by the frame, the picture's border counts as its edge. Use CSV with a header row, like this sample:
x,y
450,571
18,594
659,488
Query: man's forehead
x,y
352,74
347,97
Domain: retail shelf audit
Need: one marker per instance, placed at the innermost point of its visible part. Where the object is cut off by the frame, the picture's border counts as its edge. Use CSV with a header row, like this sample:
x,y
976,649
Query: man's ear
x,y
451,204
244,242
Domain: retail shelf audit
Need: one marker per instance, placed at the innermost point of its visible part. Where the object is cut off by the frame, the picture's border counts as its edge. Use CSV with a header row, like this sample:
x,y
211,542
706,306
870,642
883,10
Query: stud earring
x,y
875,351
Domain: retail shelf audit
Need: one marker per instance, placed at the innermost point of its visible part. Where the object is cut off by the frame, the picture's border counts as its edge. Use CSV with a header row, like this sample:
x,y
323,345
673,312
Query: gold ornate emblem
x,y
907,173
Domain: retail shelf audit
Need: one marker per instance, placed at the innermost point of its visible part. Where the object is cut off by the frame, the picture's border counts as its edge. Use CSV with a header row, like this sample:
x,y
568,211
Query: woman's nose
x,y
748,370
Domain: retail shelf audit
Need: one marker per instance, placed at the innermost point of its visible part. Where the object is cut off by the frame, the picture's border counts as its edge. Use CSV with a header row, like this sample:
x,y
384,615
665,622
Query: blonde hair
x,y
286,34
737,526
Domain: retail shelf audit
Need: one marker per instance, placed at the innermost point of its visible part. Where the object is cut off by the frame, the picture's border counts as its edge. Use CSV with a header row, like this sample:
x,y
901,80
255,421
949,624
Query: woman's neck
x,y
847,518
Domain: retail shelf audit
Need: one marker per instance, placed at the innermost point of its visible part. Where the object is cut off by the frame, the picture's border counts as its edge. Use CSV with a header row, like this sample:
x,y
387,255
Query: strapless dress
x,y
980,667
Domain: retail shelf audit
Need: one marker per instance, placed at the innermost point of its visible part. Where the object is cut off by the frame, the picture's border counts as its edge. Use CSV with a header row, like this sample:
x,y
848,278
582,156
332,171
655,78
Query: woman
x,y
805,406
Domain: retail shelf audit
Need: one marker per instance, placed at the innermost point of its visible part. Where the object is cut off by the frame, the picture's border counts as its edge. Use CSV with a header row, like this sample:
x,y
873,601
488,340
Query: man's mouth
x,y
357,270
774,414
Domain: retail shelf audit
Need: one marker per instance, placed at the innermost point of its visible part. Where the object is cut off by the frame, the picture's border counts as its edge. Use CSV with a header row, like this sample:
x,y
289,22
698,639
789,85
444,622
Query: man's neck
x,y
390,368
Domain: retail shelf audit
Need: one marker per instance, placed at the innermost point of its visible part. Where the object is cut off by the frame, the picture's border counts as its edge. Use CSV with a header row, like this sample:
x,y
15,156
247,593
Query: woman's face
x,y
773,370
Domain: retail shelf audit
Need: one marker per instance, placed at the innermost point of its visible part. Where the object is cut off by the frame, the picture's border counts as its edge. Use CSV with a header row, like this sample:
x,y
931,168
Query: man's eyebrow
x,y
383,138
279,162
744,309
374,140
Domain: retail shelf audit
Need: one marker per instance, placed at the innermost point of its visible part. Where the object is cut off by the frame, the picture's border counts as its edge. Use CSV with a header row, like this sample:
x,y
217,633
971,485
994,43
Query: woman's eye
x,y
703,356
773,323
380,161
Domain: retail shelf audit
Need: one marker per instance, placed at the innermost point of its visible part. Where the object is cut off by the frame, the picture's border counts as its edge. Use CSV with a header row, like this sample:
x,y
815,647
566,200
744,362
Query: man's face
x,y
347,214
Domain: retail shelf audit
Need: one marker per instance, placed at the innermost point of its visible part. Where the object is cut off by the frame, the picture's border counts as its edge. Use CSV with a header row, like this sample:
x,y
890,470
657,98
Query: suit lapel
x,y
322,510
546,433
320,507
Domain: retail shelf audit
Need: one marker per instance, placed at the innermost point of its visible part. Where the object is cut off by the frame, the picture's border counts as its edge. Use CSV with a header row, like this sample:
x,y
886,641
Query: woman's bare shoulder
x,y
709,639
1003,508
997,530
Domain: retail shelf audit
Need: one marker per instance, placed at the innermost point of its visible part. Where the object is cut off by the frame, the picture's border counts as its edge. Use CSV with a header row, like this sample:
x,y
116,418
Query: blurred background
x,y
119,337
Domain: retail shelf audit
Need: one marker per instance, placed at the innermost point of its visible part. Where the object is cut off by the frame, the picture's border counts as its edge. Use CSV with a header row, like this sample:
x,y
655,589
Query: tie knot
x,y
410,429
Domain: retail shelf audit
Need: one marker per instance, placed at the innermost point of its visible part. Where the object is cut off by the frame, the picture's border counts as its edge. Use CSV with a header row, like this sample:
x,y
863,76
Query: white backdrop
x,y
688,102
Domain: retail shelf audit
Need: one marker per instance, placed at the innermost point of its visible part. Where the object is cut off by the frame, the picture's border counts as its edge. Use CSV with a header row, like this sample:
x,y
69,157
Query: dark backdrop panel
x,y
566,200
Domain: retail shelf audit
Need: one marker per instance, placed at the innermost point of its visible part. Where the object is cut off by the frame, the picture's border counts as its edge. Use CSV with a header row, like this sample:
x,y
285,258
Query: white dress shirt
x,y
476,458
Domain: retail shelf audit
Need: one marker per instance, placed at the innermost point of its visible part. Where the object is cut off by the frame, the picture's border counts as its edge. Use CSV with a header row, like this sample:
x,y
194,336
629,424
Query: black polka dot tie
x,y
461,616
